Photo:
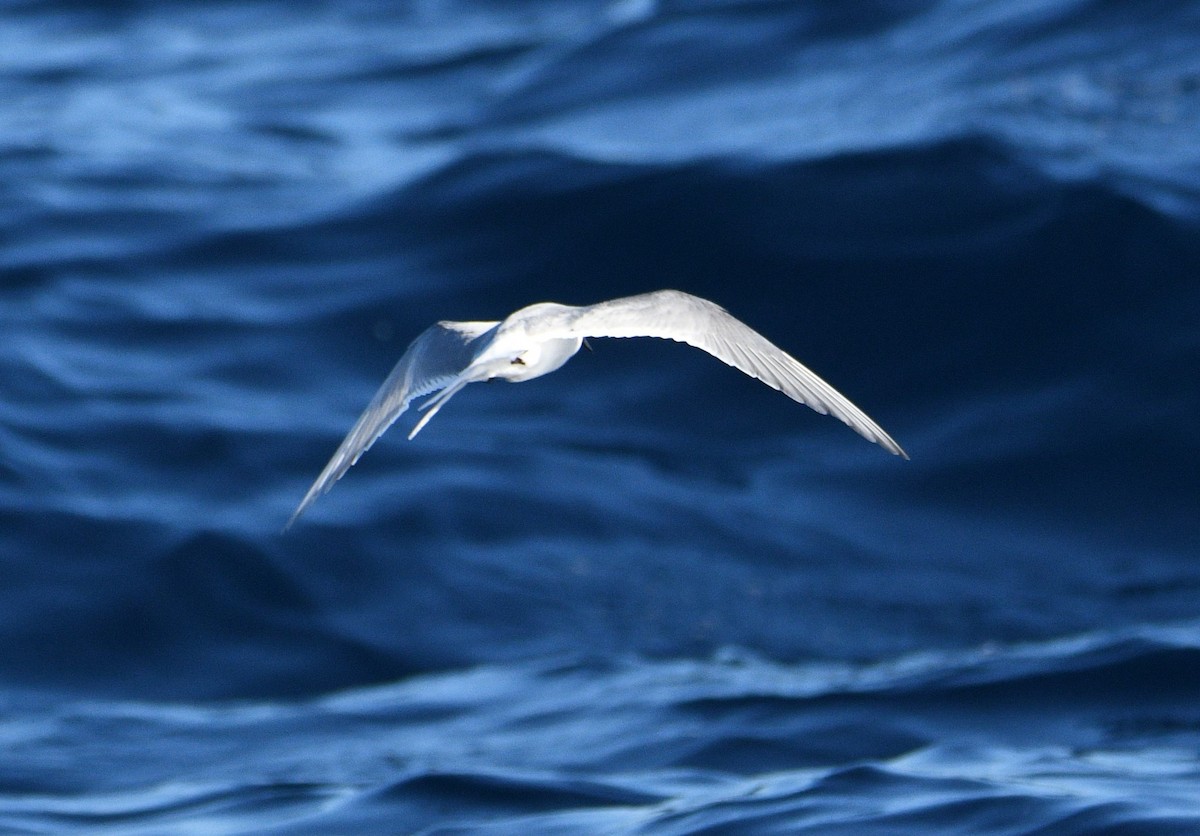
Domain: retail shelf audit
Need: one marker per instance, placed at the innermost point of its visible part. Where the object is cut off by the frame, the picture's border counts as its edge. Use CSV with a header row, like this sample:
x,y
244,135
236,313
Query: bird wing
x,y
433,361
674,315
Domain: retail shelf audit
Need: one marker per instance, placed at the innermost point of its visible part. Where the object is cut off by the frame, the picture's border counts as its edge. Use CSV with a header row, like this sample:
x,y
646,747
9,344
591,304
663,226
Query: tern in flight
x,y
540,338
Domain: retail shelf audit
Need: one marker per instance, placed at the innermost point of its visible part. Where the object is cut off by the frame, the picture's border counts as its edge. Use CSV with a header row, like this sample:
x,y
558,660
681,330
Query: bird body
x,y
540,338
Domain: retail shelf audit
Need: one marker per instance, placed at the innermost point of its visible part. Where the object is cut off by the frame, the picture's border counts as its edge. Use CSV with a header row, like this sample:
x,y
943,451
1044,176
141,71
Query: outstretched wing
x,y
674,315
433,361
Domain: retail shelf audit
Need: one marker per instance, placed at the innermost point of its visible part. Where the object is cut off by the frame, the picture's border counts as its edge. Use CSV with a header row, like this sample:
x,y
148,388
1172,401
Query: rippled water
x,y
644,594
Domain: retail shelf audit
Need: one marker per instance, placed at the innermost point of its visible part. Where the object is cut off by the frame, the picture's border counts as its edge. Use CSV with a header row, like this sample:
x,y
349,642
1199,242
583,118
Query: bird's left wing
x,y
431,362
674,315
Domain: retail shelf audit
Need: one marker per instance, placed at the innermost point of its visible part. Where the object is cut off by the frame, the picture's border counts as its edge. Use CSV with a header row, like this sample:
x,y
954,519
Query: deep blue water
x,y
645,594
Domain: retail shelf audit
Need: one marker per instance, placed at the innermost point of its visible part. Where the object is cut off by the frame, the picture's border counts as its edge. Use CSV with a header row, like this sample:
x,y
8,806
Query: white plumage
x,y
540,338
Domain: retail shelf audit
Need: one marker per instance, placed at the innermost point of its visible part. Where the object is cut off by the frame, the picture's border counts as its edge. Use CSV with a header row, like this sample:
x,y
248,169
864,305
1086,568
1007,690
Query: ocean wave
x,y
219,128
654,747
646,594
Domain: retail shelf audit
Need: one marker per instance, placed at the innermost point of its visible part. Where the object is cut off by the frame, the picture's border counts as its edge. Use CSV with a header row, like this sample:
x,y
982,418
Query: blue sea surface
x,y
645,594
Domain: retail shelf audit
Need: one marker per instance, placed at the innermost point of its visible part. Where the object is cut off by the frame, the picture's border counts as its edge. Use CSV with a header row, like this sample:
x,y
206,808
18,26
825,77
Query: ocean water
x,y
645,594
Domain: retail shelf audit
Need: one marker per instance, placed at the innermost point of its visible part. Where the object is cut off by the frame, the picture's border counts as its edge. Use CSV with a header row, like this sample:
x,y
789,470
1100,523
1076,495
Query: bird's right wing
x,y
433,361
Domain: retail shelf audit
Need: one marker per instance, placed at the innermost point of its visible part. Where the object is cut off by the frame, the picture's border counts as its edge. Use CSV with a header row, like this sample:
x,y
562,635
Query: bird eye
x,y
517,361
